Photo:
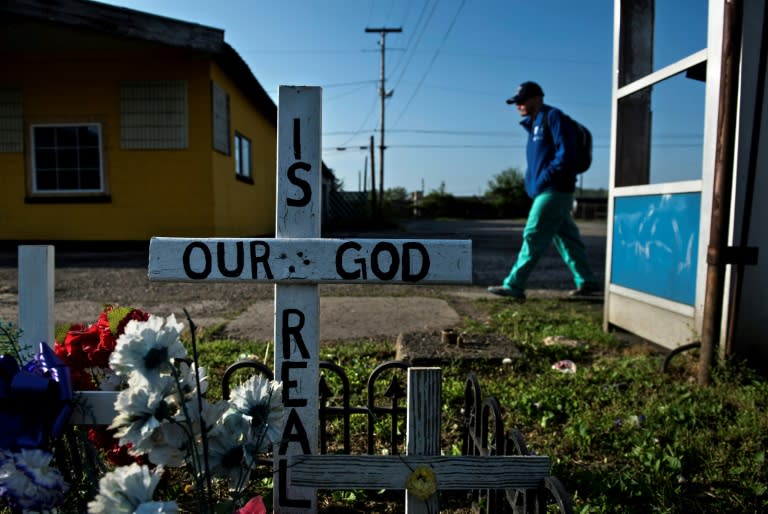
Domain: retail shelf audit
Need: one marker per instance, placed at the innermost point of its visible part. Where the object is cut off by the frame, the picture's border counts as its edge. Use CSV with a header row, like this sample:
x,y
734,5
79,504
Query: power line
x,y
344,84
346,93
428,131
360,128
329,149
418,41
432,62
301,51
492,133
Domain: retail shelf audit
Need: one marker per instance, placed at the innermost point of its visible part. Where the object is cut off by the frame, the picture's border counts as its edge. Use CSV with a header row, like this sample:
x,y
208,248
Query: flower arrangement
x,y
165,429
27,480
86,349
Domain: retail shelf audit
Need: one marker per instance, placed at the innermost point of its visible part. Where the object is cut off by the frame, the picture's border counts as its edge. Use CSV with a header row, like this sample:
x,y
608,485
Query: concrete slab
x,y
340,318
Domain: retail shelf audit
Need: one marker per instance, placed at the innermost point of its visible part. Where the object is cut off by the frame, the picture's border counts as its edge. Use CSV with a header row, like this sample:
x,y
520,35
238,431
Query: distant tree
x,y
509,182
439,203
395,194
506,192
593,193
439,192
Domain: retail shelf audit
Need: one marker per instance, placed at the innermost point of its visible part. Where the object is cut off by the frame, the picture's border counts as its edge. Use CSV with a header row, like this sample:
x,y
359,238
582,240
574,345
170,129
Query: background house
x,y
121,125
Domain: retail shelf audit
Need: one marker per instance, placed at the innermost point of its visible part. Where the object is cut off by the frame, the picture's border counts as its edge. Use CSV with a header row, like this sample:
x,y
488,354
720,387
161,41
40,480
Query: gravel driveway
x,y
88,278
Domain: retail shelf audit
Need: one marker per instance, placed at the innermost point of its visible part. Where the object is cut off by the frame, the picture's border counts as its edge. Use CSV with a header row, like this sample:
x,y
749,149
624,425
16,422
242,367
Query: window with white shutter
x,y
11,121
220,107
153,115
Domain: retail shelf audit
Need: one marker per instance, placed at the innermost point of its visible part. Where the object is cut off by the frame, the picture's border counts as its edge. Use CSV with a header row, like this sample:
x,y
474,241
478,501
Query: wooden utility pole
x,y
383,95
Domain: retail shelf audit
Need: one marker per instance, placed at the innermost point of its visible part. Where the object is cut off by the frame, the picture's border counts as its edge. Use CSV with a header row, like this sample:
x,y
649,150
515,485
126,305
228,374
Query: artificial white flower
x,y
188,379
145,412
148,347
108,380
129,489
167,447
259,401
157,508
227,454
194,418
28,482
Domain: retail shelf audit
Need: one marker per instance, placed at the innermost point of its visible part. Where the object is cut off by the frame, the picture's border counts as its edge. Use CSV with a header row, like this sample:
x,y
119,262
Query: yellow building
x,y
119,125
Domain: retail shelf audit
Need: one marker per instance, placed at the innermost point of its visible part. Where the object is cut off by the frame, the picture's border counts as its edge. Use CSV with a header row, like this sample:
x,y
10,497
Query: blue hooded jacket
x,y
551,147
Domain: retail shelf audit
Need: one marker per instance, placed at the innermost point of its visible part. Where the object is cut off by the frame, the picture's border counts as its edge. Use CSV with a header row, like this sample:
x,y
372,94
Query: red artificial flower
x,y
86,348
104,439
254,506
107,336
135,314
73,349
90,347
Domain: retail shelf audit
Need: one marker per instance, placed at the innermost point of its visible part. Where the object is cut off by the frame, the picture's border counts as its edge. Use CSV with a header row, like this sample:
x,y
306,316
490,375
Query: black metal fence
x,y
383,417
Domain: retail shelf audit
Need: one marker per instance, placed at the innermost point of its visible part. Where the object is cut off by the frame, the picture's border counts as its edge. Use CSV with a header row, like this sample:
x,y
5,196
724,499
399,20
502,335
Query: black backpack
x,y
583,159
583,148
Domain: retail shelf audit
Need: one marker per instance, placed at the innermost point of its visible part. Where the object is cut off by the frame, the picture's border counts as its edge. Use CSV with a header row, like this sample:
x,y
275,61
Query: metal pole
x,y
383,95
718,232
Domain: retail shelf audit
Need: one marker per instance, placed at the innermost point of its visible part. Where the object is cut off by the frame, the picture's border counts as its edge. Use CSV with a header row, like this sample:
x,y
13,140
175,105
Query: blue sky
x,y
452,68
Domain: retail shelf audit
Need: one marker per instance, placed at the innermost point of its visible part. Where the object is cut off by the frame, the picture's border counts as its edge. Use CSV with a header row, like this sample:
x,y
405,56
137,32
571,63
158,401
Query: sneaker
x,y
507,292
587,291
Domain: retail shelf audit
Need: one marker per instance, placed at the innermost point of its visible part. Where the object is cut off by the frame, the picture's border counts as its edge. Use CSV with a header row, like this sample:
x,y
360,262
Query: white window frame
x,y
59,191
243,166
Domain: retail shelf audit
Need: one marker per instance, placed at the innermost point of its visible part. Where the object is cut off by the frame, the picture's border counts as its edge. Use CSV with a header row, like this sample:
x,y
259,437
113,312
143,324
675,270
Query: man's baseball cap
x,y
525,91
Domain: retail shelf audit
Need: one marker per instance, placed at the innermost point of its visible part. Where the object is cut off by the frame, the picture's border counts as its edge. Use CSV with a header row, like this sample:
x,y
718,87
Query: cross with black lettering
x,y
296,261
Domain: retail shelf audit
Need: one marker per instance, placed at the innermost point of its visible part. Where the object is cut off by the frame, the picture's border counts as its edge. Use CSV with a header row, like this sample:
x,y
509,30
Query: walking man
x,y
550,181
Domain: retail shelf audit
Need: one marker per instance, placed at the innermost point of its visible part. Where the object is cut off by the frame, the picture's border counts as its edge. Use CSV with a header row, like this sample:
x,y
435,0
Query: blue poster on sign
x,y
655,244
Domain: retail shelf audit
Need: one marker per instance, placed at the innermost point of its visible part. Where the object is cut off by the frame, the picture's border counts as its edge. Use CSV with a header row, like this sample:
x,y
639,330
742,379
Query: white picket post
x,y
36,315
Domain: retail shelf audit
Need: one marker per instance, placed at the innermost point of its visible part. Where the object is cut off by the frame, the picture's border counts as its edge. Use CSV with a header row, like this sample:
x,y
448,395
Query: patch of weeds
x,y
218,354
622,435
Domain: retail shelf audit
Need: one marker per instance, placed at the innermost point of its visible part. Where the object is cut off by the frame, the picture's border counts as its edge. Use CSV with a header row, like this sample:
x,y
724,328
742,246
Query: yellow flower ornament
x,y
422,482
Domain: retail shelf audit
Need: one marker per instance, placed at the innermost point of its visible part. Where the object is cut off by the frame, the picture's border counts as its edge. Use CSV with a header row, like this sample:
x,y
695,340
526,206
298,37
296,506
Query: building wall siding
x,y
244,209
188,192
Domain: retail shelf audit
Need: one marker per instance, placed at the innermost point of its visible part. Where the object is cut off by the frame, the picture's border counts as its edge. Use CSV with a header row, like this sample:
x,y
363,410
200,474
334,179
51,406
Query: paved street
x,y
495,244
89,277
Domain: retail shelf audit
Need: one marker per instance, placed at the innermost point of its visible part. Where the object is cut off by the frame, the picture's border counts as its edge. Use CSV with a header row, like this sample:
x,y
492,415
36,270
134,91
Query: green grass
x,y
622,435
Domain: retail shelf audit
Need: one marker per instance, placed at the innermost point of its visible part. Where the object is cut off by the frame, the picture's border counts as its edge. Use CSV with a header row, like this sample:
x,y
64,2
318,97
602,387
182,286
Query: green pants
x,y
550,221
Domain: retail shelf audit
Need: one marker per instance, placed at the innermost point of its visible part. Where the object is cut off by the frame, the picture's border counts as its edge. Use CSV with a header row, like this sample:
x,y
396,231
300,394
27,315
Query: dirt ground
x,y
87,277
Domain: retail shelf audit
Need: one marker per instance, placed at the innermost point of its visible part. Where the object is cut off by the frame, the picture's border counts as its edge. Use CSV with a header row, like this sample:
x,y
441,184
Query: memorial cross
x,y
296,261
422,451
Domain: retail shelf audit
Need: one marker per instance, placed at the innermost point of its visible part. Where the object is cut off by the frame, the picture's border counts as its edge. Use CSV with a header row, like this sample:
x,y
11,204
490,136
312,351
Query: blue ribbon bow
x,y
35,400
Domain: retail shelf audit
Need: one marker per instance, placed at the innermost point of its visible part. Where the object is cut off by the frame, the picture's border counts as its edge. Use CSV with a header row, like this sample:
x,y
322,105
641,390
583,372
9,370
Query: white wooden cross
x,y
296,261
422,450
